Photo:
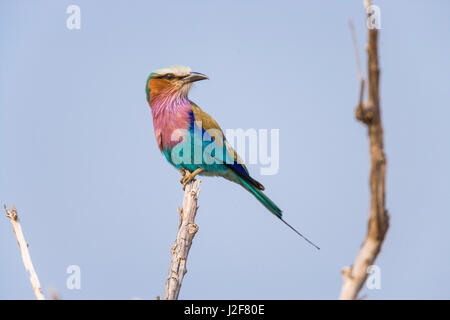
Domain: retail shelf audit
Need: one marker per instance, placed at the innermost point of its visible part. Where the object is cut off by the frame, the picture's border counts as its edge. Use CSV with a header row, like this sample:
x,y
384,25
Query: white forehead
x,y
178,71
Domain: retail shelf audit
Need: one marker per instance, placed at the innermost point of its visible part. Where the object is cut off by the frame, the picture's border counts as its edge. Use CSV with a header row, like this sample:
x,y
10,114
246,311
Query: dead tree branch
x,y
180,249
370,114
23,246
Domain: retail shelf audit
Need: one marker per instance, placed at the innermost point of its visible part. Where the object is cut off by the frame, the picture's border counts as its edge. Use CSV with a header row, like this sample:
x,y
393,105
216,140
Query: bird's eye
x,y
169,76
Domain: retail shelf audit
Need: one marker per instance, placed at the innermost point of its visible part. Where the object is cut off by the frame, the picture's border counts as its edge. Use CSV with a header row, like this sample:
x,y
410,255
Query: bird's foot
x,y
189,176
184,173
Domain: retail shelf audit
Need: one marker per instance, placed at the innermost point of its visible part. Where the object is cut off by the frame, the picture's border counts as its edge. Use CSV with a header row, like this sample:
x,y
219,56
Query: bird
x,y
185,133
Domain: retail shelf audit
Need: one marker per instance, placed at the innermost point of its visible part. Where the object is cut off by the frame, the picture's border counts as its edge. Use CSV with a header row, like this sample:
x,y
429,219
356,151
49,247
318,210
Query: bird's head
x,y
173,82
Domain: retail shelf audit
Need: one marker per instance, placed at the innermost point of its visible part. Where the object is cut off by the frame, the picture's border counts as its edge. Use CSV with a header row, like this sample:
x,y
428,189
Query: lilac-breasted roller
x,y
191,140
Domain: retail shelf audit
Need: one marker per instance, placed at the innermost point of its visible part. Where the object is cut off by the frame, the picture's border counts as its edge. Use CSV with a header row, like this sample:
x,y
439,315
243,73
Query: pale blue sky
x,y
80,162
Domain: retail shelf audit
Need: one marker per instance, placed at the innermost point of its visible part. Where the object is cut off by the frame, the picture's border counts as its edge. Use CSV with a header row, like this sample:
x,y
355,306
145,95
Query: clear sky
x,y
80,162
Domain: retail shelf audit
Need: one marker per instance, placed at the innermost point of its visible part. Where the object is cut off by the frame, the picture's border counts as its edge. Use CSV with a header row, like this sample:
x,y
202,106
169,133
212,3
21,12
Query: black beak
x,y
195,76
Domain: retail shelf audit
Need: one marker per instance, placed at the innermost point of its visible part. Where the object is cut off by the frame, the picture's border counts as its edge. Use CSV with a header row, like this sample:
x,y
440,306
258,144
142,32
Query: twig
x,y
23,246
370,114
358,63
355,47
180,249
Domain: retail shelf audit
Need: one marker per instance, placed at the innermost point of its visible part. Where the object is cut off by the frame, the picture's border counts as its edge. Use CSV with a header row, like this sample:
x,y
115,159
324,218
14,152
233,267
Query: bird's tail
x,y
258,194
255,188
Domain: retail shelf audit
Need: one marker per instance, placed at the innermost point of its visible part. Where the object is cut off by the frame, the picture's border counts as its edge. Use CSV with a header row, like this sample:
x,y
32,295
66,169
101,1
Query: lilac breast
x,y
171,118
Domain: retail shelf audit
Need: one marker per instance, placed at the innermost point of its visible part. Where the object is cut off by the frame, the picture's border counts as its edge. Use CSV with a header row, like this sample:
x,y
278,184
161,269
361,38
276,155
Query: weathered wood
x,y
23,246
180,249
369,113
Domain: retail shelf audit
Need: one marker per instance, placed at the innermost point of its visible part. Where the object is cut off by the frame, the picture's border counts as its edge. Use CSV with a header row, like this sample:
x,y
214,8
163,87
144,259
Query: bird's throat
x,y
171,113
168,103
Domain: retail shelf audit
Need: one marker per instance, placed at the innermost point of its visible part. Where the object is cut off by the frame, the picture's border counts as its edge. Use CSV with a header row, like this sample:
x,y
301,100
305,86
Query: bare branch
x,y
370,114
180,249
23,246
